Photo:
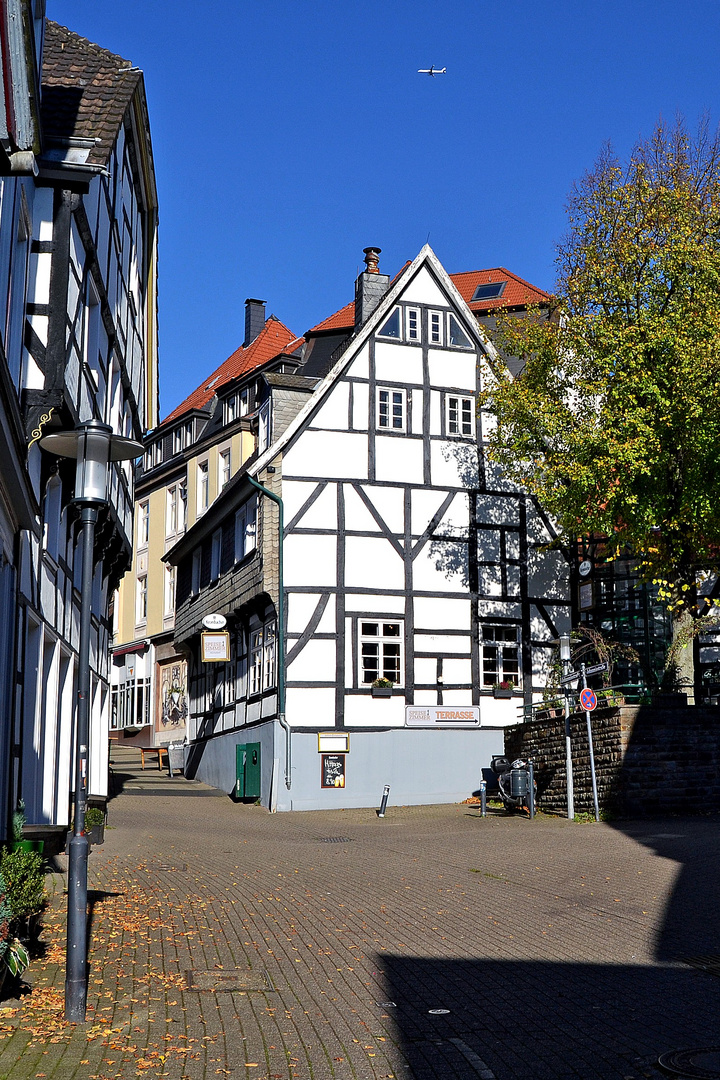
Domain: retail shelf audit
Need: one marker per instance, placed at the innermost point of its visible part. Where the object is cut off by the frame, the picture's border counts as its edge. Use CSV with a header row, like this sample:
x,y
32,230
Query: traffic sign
x,y
588,699
596,668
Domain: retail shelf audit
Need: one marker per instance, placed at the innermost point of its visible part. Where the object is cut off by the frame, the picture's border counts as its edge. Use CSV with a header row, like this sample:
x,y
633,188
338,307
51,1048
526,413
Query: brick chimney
x,y
254,320
370,287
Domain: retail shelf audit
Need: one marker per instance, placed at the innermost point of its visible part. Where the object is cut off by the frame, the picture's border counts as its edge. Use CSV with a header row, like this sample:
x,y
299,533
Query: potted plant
x,y
503,689
95,825
381,688
18,824
24,877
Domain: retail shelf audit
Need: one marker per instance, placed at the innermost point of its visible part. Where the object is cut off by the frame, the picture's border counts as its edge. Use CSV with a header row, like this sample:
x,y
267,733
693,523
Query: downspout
x,y
281,630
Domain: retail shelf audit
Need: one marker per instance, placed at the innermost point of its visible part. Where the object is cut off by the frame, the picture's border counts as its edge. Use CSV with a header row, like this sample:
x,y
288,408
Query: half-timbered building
x,y
390,627
81,344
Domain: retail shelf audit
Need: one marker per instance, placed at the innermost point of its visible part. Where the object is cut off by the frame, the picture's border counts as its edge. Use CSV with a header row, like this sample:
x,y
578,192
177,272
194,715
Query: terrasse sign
x,y
431,716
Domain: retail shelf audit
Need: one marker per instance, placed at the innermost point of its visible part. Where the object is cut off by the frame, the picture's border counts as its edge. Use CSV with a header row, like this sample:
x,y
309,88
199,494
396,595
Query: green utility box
x,y
247,771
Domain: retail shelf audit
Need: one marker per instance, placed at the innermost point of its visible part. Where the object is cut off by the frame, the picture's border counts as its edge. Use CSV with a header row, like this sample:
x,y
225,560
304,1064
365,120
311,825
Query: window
x,y
264,427
380,652
171,516
141,601
196,569
390,409
189,433
202,487
412,324
216,554
223,468
460,412
170,579
435,327
52,514
245,529
182,507
231,409
177,440
157,452
130,703
244,402
500,655
491,291
391,327
456,334
143,523
262,658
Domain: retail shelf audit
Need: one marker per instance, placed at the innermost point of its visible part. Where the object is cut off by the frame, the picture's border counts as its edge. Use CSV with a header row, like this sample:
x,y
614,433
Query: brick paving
x,y
226,941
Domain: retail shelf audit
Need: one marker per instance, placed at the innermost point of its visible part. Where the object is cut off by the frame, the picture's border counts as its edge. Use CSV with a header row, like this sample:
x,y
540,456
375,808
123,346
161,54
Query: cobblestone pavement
x,y
228,942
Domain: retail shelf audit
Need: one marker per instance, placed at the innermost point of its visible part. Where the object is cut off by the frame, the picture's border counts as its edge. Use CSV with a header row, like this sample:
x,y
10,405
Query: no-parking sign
x,y
588,699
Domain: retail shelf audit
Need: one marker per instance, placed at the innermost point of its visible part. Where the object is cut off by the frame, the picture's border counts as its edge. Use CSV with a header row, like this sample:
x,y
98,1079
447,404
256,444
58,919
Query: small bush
x,y
94,816
25,881
5,916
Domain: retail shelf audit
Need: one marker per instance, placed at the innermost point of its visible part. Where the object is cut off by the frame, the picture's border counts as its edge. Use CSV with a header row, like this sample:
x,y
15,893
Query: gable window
x,y
412,324
215,555
202,486
456,334
390,409
459,415
500,655
245,529
391,327
435,327
381,652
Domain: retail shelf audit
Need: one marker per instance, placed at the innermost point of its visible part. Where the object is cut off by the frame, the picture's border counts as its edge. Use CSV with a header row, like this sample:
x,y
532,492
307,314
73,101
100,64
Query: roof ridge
x,y
50,23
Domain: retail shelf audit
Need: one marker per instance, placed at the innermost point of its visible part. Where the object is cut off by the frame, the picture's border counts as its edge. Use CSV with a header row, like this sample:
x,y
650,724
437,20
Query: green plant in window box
x,y
95,824
503,689
382,688
19,821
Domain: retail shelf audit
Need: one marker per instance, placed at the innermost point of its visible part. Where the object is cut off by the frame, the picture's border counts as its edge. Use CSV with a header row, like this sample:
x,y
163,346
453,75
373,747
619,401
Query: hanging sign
x,y
332,770
214,622
215,647
588,699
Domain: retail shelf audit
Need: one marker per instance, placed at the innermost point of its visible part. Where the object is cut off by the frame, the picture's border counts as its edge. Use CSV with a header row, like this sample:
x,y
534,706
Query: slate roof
x,y
516,293
273,339
85,90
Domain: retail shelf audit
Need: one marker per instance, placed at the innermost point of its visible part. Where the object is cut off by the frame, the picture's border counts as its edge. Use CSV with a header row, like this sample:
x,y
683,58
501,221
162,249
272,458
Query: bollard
x,y
383,804
531,790
483,798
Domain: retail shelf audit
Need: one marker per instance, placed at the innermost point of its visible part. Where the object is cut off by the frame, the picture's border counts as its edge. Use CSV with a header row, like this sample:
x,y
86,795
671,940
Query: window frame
x,y
432,313
417,312
224,467
388,428
461,399
393,337
141,600
262,658
500,644
451,344
383,665
216,554
143,524
246,528
203,486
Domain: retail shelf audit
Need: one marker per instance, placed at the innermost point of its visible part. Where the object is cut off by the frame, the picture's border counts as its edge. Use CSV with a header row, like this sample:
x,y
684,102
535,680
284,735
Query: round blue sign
x,y
588,699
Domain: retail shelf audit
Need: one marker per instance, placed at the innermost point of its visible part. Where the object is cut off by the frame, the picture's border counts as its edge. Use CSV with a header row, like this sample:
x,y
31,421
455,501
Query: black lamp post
x,y
94,446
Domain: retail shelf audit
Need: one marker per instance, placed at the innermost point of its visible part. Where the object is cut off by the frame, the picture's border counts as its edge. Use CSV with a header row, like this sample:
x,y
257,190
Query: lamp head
x,y
93,446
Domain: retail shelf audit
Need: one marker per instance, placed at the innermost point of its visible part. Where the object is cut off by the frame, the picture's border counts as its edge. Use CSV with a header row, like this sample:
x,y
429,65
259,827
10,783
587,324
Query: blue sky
x,y
290,135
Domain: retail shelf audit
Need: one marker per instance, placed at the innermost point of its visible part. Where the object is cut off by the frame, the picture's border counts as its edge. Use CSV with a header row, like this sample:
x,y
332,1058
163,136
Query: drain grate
x,y
335,839
219,980
168,868
701,1064
711,964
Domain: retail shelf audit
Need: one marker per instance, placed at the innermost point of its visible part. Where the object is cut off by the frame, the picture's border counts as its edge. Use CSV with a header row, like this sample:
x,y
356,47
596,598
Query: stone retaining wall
x,y
648,759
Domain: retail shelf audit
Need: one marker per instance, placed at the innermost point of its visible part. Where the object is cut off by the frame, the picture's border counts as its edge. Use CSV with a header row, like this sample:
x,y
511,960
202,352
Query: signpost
x,y
588,701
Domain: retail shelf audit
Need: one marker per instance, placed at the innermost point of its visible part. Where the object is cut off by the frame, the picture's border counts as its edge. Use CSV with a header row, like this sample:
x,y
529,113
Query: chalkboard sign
x,y
333,770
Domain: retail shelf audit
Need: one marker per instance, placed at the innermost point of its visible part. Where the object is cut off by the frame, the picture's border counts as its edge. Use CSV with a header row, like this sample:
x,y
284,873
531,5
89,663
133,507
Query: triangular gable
x,y
426,259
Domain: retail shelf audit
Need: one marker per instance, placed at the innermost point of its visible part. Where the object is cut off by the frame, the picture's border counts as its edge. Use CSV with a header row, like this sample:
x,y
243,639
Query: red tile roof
x,y
273,340
517,292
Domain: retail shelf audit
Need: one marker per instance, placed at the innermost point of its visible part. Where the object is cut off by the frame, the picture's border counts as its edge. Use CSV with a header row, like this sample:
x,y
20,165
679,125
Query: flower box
x,y
502,692
381,691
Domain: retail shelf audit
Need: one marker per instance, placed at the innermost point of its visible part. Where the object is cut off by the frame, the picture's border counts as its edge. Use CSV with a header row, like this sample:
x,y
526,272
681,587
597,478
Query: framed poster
x,y
586,597
332,770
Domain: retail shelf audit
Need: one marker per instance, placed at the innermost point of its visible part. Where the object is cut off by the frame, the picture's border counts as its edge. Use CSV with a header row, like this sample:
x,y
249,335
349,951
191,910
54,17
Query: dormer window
x,y
177,440
231,409
490,291
244,402
391,327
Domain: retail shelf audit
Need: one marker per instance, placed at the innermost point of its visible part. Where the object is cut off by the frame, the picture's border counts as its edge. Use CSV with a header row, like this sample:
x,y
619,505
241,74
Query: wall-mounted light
x,y
93,446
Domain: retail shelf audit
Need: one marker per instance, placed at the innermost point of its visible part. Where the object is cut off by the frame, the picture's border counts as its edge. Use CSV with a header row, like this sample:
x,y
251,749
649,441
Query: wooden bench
x,y
158,750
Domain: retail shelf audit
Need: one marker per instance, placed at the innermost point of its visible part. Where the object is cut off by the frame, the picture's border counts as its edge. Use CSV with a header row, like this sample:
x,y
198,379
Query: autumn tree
x,y
614,422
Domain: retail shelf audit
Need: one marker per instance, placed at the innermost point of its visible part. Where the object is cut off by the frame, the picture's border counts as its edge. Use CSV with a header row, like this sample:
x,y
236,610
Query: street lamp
x,y
94,446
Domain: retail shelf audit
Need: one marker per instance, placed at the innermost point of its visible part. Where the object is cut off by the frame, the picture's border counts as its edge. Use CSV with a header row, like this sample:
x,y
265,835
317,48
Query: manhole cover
x,y
220,980
701,1064
711,964
335,839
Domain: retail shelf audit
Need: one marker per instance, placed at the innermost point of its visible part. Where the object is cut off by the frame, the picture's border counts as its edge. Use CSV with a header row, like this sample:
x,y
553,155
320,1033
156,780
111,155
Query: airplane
x,y
432,71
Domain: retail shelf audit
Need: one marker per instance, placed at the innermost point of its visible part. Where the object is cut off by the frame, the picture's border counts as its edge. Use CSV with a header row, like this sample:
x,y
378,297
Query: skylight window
x,y
491,291
212,382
